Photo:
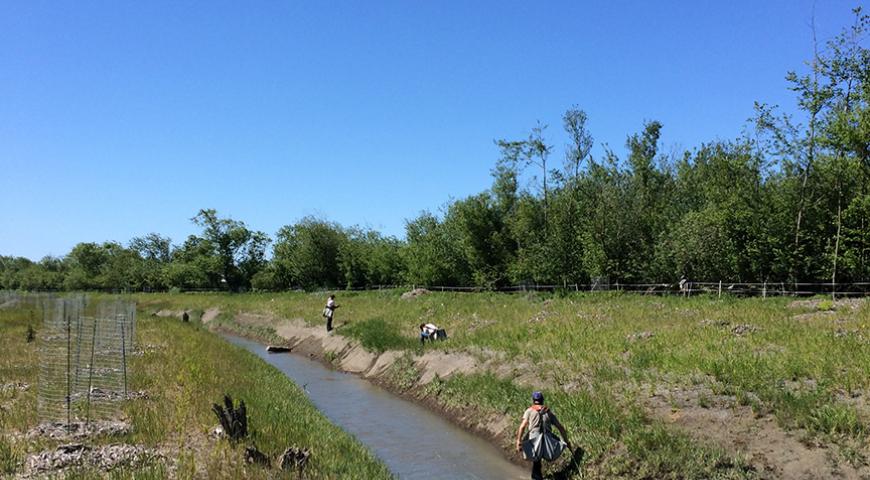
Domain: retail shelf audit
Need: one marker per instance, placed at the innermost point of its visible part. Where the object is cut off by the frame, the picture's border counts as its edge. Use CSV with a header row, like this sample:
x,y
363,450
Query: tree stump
x,y
295,459
254,456
233,420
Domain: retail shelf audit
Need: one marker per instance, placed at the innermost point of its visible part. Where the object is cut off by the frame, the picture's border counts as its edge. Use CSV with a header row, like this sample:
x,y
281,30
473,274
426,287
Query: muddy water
x,y
411,440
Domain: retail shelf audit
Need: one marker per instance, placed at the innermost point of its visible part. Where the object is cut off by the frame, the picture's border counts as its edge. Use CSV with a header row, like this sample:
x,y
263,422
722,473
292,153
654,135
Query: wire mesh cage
x,y
83,359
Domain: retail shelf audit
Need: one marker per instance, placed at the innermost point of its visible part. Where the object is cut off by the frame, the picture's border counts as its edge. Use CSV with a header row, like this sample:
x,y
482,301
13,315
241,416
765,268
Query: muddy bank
x,y
347,355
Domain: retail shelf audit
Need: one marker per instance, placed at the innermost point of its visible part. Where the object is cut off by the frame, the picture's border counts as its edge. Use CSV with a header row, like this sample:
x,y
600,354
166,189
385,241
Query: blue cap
x,y
538,397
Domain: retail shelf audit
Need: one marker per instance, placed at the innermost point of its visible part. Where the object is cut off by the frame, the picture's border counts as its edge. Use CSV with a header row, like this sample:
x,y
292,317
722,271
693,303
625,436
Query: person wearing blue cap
x,y
539,419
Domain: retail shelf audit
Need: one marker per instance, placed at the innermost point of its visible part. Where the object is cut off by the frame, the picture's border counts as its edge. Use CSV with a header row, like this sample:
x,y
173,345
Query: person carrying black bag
x,y
541,444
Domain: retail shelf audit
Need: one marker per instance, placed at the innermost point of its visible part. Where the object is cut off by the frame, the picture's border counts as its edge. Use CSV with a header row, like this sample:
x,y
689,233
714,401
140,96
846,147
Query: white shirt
x,y
430,328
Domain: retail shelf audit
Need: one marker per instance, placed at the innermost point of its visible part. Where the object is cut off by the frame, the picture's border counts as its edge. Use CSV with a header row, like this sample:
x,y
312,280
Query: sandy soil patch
x,y
843,303
357,360
104,458
444,365
14,303
210,315
383,362
414,293
772,451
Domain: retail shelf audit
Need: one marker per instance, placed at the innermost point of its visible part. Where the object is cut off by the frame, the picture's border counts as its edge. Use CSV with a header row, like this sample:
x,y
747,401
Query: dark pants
x,y
329,323
536,471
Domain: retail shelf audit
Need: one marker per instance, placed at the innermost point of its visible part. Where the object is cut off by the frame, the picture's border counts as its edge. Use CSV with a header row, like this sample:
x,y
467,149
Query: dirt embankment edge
x,y
346,355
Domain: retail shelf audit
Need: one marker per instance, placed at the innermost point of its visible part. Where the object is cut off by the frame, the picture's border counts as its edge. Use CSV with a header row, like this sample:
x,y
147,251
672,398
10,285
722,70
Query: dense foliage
x,y
787,201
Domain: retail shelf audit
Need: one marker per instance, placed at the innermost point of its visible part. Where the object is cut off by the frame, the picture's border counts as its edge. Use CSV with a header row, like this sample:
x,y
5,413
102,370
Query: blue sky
x,y
121,118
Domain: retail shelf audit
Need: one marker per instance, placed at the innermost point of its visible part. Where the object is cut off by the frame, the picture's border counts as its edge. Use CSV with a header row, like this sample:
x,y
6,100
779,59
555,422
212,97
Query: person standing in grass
x,y
539,419
329,312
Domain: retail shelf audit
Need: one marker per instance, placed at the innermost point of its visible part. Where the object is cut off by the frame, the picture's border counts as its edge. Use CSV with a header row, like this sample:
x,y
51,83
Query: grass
x,y
376,335
597,354
184,369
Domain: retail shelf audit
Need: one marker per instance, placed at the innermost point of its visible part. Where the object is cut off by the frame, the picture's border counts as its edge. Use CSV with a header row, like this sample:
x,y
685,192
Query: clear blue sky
x,y
120,118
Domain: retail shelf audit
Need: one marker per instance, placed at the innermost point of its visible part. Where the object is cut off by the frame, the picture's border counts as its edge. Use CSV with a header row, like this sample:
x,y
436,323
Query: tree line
x,y
788,200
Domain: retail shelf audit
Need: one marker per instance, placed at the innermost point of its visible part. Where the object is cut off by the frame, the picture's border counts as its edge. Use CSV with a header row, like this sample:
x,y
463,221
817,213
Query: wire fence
x,y
719,289
688,288
83,355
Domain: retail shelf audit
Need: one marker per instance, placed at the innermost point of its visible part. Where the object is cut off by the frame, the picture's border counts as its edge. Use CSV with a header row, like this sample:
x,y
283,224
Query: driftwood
x,y
277,349
295,459
252,455
233,420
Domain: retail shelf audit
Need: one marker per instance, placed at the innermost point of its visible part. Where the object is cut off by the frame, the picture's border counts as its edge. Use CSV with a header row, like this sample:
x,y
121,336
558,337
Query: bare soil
x,y
771,450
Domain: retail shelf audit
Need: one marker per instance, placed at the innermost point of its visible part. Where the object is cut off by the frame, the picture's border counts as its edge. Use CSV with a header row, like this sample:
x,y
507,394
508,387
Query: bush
x,y
377,336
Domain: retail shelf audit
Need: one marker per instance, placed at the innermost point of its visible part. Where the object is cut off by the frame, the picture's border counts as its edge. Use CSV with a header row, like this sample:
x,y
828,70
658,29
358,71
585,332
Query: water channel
x,y
413,441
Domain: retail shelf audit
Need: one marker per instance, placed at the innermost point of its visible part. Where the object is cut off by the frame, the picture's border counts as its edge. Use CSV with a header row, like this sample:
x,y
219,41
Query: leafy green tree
x,y
240,252
477,227
155,252
432,254
308,253
194,266
856,240
86,263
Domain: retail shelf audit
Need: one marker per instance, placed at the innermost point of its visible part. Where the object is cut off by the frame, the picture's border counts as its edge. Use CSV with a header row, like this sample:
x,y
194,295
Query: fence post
x,y
68,368
782,288
720,289
91,372
764,290
124,355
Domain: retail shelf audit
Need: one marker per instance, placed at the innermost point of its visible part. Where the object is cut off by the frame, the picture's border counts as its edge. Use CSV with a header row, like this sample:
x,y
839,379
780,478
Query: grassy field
x,y
632,376
183,370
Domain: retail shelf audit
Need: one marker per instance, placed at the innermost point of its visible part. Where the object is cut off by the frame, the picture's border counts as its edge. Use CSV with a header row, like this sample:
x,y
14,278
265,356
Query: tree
x,y
155,252
432,255
578,151
240,252
308,253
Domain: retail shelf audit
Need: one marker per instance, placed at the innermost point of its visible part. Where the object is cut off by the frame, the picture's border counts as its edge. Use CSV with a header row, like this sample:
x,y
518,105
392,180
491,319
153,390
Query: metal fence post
x,y
124,355
91,373
68,368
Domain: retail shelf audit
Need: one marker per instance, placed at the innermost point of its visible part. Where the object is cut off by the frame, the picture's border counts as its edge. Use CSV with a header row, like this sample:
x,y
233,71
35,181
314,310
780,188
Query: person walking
x,y
539,419
329,312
